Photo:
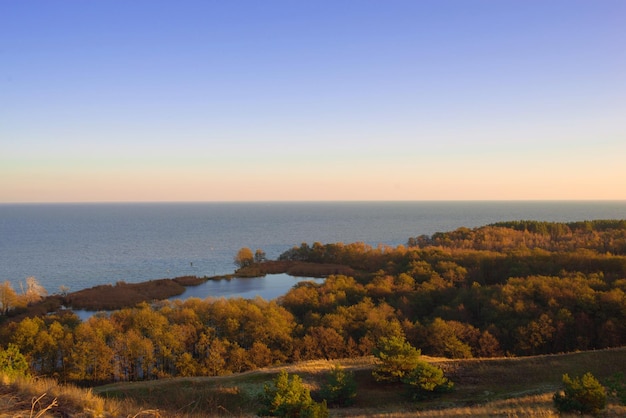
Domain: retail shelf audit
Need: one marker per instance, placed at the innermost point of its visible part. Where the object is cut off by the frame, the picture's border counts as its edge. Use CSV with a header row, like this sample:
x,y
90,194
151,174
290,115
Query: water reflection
x,y
268,287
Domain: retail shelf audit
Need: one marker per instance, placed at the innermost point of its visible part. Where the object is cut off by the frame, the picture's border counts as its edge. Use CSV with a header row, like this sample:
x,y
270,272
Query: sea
x,y
78,246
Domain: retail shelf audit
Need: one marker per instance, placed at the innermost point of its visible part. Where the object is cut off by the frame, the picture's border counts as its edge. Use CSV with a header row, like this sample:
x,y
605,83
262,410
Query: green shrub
x,y
584,395
340,387
616,386
288,397
426,381
401,362
398,357
12,362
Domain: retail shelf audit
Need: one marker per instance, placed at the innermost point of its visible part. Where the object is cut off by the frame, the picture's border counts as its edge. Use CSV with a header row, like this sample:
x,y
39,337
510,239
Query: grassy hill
x,y
514,387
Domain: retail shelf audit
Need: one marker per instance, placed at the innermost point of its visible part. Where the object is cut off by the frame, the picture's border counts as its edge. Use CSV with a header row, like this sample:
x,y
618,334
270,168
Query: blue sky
x,y
321,100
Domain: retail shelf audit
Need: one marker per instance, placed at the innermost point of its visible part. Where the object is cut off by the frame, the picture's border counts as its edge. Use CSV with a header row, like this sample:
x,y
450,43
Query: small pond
x,y
268,287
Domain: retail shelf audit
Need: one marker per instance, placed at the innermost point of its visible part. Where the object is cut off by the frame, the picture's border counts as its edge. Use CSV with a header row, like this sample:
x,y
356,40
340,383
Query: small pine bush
x,y
397,358
340,387
583,395
616,386
426,381
12,362
288,397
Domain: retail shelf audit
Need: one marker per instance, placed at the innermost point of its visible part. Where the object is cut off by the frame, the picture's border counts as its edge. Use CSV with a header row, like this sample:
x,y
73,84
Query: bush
x,y
584,395
288,397
340,387
398,357
616,386
12,362
426,381
401,362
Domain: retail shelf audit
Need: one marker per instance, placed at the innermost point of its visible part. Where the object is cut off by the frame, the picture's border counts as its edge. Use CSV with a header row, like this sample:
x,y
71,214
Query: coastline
x,y
111,297
56,245
124,295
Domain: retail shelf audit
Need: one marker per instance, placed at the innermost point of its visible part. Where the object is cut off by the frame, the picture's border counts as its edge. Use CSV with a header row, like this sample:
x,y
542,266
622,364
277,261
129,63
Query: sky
x,y
149,100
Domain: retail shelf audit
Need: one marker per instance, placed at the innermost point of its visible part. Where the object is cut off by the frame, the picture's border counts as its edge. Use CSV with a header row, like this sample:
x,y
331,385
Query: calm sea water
x,y
83,245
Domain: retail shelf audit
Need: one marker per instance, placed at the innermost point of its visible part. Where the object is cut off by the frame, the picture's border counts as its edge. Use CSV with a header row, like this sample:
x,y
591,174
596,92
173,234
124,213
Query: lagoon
x,y
268,287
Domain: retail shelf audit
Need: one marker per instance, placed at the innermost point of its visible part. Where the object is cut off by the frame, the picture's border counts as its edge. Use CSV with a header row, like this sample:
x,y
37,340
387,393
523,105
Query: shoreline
x,y
124,295
111,297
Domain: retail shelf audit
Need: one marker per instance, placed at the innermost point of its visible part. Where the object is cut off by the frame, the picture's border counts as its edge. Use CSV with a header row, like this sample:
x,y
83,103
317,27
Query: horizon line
x,y
101,202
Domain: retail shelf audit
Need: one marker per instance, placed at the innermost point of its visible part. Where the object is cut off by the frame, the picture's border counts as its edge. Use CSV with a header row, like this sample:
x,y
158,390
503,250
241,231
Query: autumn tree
x,y
33,291
323,342
25,338
8,297
94,357
244,257
535,337
444,339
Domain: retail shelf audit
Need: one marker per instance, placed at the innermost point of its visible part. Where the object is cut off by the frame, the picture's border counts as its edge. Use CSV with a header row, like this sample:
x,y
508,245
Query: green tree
x,y
244,257
398,358
12,362
616,385
426,381
340,387
288,397
584,395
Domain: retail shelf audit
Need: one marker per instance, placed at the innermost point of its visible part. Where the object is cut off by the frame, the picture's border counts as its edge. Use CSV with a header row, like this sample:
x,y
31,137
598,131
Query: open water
x,y
83,245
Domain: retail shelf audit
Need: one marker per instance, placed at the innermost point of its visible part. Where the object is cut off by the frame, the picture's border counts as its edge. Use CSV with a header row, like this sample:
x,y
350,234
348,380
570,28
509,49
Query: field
x,y
508,387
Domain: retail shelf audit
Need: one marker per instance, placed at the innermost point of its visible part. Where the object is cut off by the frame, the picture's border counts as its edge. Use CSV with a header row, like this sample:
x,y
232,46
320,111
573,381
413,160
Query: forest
x,y
507,289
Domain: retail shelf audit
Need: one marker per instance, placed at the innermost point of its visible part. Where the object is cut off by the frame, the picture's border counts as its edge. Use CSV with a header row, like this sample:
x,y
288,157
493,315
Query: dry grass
x,y
187,397
534,406
507,387
504,387
488,379
123,295
36,397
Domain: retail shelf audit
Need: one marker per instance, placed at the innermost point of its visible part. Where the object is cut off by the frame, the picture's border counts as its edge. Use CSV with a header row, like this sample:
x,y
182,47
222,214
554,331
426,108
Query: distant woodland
x,y
507,289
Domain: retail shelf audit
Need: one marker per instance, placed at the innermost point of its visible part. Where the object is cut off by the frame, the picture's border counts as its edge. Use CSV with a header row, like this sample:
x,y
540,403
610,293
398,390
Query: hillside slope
x,y
484,387
520,387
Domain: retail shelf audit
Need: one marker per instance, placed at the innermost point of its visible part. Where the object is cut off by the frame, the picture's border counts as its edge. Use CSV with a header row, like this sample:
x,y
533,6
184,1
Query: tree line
x,y
520,288
31,292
